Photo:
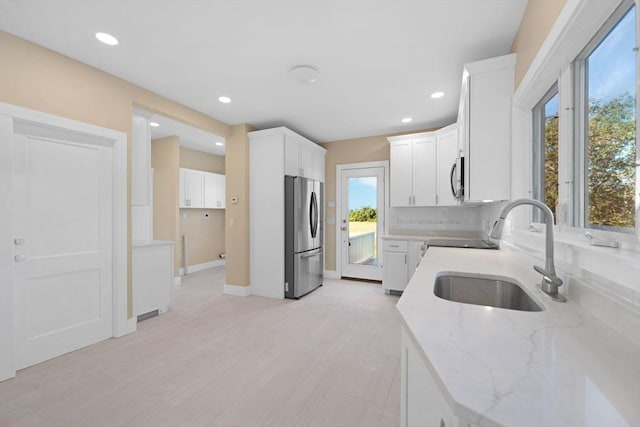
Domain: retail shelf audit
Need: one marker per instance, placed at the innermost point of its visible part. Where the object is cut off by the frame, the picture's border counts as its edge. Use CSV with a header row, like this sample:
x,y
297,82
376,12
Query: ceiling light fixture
x,y
436,95
107,39
219,144
407,120
154,124
305,74
224,99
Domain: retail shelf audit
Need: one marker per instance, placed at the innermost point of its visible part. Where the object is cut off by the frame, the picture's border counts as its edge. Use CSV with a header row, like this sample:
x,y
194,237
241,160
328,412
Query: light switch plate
x,y
331,204
331,221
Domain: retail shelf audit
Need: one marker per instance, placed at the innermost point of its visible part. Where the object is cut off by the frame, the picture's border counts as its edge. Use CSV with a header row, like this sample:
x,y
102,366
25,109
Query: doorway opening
x,y
362,219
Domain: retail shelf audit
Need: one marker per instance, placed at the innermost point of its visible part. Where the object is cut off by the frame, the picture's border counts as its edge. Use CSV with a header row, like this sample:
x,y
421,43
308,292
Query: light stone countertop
x,y
497,367
145,243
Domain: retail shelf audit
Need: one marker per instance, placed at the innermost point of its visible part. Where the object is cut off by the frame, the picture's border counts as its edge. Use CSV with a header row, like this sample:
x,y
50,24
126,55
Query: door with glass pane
x,y
362,222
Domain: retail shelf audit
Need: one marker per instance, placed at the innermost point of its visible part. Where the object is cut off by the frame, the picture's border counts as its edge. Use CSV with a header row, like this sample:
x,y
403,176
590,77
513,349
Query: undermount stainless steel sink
x,y
479,289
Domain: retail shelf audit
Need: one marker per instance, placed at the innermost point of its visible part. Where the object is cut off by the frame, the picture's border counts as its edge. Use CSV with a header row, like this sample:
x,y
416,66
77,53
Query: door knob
x,y
344,228
20,258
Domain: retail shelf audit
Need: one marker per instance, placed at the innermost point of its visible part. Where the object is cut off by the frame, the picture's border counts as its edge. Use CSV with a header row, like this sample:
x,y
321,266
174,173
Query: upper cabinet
x,y
140,162
484,117
303,157
413,170
199,189
421,168
447,149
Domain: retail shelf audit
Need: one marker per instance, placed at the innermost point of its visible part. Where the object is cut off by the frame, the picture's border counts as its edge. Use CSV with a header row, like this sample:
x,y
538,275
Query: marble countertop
x,y
497,367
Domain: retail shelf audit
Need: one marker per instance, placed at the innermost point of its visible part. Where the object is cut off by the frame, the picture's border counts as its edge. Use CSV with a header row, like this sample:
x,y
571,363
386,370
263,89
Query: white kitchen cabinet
x,y
214,191
400,260
191,188
484,117
274,153
422,402
447,148
140,162
303,157
152,269
413,170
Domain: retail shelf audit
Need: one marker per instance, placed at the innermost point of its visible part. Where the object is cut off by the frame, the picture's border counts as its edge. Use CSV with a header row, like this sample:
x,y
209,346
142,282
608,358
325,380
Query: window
x,y
545,151
606,146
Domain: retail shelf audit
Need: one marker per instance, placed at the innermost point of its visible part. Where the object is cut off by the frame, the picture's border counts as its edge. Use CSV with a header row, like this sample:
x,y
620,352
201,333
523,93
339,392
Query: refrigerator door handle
x,y
313,215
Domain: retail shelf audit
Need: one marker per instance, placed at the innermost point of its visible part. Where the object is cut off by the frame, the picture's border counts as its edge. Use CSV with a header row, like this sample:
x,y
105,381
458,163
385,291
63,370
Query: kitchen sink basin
x,y
479,289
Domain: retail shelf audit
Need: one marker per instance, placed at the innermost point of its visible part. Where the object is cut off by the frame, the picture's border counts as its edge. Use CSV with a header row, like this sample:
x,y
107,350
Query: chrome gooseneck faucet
x,y
550,281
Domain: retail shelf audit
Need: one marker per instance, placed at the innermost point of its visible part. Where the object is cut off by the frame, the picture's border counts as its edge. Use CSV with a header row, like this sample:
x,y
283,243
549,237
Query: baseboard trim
x,y
203,266
177,281
239,291
331,274
132,325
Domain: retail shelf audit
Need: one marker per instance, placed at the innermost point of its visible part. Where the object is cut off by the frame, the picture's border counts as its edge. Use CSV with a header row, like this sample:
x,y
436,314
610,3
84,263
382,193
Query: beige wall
x,y
368,149
203,228
40,79
237,215
199,160
536,23
165,161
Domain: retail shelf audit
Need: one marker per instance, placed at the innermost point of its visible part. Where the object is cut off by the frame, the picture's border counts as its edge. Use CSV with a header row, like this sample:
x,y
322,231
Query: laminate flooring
x,y
331,359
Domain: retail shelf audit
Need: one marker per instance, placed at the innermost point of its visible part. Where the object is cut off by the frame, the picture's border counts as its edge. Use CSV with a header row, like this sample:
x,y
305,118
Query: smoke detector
x,y
305,74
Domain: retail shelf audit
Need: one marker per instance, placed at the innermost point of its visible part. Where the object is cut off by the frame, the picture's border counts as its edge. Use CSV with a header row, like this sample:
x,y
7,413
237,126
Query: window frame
x,y
538,156
580,119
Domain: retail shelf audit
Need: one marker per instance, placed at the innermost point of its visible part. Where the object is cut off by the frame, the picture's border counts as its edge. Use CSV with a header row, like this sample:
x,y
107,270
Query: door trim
x,y
339,168
8,114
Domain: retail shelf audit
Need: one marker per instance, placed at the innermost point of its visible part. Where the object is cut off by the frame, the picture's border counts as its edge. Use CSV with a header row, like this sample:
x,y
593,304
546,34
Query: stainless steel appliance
x,y
304,259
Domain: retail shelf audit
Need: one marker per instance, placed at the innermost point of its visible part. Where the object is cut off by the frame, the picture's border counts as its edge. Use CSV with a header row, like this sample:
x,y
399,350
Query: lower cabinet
x,y
152,268
400,260
422,402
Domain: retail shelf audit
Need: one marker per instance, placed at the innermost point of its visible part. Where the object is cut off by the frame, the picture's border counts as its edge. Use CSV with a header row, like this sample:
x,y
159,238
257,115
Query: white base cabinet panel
x,y
152,268
422,404
400,259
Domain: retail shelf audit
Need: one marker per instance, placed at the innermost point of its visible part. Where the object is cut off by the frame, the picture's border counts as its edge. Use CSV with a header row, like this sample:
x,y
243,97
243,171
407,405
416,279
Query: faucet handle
x,y
548,277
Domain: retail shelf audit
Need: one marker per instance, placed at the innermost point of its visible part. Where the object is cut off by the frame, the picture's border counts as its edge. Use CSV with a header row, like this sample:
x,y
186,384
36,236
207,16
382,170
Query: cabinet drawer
x,y
394,245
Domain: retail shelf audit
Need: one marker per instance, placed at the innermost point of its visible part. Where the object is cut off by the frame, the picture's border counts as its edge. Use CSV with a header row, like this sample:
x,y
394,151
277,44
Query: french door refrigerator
x,y
304,260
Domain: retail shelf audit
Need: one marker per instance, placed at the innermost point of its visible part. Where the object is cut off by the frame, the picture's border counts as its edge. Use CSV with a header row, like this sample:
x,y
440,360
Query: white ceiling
x,y
378,60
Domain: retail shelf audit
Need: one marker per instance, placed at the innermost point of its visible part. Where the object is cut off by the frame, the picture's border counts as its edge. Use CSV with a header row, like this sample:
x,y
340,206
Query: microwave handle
x,y
451,176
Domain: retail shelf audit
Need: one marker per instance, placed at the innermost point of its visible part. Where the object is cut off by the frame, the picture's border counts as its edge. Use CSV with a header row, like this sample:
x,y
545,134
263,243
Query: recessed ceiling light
x,y
154,124
436,95
224,99
107,39
219,144
407,120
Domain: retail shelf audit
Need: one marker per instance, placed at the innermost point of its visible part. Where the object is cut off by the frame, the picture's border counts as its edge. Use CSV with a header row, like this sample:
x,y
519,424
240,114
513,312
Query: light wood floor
x,y
330,359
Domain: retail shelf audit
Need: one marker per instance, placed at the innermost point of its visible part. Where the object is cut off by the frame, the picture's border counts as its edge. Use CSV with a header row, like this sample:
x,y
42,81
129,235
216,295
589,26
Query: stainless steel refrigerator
x,y
304,259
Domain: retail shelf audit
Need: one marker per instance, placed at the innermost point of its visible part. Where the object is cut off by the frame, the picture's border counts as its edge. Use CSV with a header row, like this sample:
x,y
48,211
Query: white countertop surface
x,y
558,367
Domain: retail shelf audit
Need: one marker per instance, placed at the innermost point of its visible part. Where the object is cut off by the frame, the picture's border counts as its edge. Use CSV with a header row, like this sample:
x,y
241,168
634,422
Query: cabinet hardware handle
x,y
405,259
394,246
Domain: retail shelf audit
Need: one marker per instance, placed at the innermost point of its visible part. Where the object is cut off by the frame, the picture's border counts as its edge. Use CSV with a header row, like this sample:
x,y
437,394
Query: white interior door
x,y
362,221
62,223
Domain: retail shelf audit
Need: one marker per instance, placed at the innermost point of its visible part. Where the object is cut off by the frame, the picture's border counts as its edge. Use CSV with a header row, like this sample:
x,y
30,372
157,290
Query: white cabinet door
x,y
447,155
485,116
184,203
422,403
210,190
394,271
305,159
424,171
140,162
400,174
291,155
221,192
152,270
317,164
191,188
